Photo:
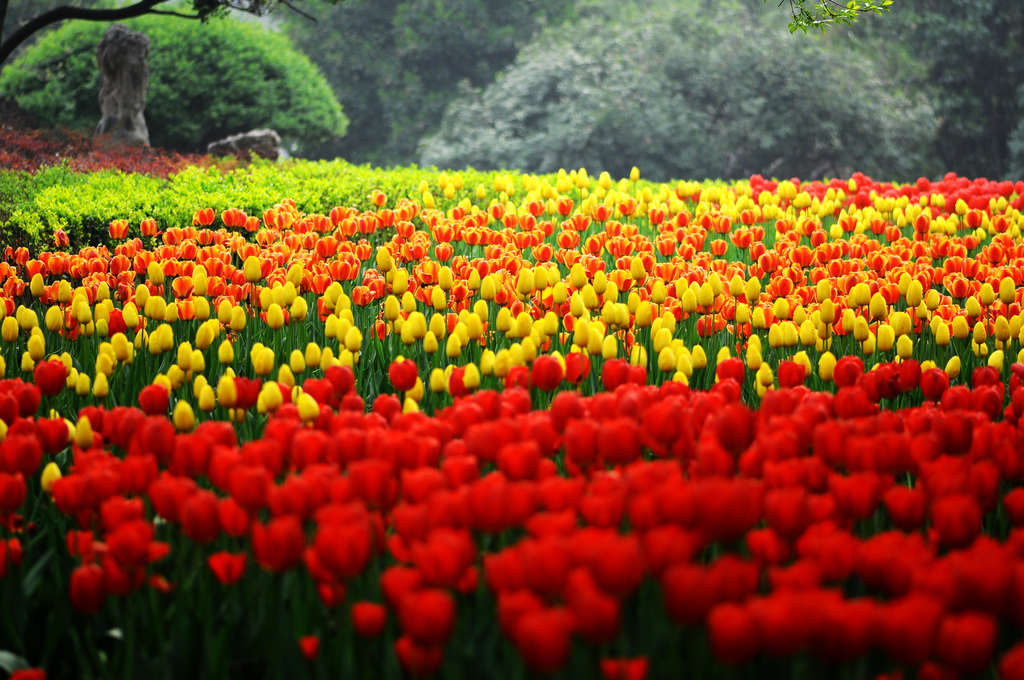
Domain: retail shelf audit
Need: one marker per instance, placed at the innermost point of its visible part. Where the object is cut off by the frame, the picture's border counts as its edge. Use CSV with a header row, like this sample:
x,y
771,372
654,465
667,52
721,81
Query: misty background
x,y
681,88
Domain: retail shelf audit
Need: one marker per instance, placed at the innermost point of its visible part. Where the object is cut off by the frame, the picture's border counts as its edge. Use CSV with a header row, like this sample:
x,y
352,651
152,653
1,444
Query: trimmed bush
x,y
206,81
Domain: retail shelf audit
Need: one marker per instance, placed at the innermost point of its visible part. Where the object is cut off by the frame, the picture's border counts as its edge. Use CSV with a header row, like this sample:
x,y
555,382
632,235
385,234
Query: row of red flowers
x,y
817,524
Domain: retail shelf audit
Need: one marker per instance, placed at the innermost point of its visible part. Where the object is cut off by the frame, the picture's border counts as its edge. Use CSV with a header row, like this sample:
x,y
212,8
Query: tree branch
x,y
65,12
3,15
171,13
298,11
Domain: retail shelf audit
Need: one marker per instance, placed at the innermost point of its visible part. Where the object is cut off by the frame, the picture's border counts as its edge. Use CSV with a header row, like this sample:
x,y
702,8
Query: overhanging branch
x,y
65,12
298,11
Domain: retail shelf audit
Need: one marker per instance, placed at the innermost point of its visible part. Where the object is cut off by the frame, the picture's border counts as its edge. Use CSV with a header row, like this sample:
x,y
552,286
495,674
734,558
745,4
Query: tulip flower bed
x,y
557,425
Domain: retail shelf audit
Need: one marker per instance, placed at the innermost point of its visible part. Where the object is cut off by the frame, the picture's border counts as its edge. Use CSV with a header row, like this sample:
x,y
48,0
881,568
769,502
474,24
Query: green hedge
x,y
84,204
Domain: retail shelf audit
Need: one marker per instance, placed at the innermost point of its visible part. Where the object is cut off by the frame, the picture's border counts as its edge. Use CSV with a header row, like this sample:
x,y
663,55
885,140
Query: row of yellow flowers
x,y
580,266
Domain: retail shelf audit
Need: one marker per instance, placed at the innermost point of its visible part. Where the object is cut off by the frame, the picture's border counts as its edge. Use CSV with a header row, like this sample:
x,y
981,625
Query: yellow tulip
x,y
666,360
471,377
904,347
353,339
453,347
54,318
252,269
953,366
886,337
285,376
438,380
207,399
437,299
1007,290
237,322
83,385
297,361
308,407
183,417
9,329
980,334
36,347
100,386
298,309
227,394
83,433
154,273
995,360
275,316
698,357
51,473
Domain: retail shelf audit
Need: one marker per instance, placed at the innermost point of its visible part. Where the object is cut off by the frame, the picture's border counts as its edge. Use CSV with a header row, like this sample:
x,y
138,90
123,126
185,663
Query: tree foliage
x,y
967,57
823,14
206,81
687,91
395,64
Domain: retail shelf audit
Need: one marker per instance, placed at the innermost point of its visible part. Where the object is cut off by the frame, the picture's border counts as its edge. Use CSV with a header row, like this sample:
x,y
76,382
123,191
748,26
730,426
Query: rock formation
x,y
264,142
124,78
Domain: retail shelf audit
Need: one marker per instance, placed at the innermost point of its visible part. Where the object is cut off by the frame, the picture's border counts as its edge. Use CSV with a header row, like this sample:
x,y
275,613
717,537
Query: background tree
x,y
664,86
395,64
967,57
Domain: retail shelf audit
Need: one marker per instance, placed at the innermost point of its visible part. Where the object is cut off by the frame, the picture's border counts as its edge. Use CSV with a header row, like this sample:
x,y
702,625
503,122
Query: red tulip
x,y
87,590
547,373
847,371
543,637
957,519
909,627
199,517
427,616
416,658
906,507
966,641
309,645
50,377
791,374
1011,666
227,567
1013,501
597,615
625,669
154,399
733,634
278,545
403,374
250,486
369,618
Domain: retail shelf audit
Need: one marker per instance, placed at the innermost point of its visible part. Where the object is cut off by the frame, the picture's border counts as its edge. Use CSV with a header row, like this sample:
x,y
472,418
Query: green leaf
x,y
35,575
10,662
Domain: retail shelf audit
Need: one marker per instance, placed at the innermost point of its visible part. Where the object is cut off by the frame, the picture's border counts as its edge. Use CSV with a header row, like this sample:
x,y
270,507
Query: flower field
x,y
521,426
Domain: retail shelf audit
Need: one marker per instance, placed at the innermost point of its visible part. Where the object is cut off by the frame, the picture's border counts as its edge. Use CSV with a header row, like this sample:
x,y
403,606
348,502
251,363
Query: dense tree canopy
x,y
664,86
395,64
967,57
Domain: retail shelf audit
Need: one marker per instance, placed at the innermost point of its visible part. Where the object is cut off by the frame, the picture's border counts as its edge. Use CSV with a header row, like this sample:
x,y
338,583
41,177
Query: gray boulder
x,y
265,143
124,79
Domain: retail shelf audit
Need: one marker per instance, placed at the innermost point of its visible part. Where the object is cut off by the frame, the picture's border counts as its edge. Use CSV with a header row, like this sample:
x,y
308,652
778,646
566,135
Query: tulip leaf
x,y
35,574
10,662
